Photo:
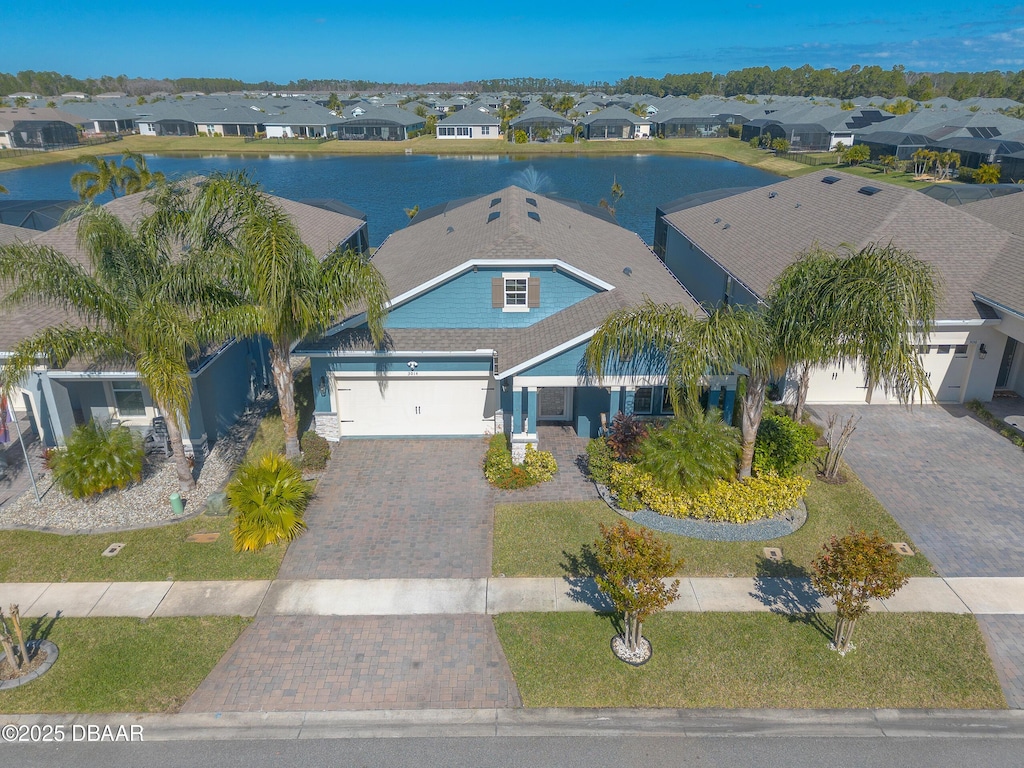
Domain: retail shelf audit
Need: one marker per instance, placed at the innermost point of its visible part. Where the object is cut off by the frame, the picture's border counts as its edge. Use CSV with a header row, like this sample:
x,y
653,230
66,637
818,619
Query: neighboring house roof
x,y
1005,211
537,113
39,215
755,235
9,234
467,231
321,230
614,114
11,116
383,115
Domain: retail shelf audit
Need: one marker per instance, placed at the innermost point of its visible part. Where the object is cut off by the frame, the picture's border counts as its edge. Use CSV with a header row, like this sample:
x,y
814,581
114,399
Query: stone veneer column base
x,y
519,443
326,425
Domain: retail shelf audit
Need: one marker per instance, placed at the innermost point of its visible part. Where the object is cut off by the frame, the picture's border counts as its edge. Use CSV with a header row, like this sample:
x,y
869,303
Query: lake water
x,y
383,186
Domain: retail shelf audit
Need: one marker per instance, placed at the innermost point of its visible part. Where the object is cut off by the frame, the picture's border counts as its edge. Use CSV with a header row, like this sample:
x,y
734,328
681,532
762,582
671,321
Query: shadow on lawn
x,y
580,569
785,588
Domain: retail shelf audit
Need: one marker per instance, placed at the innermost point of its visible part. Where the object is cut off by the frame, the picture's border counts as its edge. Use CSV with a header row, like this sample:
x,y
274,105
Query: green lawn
x,y
752,660
124,665
551,538
150,554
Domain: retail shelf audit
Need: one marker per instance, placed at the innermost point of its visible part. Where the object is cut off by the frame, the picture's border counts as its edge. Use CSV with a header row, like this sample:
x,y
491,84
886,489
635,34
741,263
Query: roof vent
x,y
492,216
772,195
830,180
726,226
627,271
718,220
531,201
533,215
797,205
450,230
869,191
495,201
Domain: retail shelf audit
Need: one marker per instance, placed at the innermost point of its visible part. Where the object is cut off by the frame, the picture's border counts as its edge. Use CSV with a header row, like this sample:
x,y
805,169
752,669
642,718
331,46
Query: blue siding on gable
x,y
465,301
571,362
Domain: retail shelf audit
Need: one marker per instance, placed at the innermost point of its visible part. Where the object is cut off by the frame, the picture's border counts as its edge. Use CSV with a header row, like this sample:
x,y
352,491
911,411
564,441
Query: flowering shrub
x,y
537,467
743,501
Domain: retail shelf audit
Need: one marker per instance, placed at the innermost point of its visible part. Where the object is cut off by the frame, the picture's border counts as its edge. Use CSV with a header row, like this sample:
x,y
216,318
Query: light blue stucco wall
x,y
571,362
465,302
221,390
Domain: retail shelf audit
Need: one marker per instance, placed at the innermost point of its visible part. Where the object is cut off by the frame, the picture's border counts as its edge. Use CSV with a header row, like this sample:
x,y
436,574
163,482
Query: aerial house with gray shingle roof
x,y
729,250
493,302
224,378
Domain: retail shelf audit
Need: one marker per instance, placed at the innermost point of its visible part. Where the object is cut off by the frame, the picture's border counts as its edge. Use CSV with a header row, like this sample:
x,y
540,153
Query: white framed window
x,y
643,399
462,130
485,130
445,130
666,400
515,284
128,398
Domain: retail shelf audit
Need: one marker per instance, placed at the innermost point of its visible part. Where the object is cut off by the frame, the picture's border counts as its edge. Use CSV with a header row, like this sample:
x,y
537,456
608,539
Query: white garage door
x,y
419,405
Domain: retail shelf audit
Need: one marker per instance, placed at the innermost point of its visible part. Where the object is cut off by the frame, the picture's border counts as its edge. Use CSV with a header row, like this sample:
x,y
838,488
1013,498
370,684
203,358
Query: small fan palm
x,y
691,453
269,497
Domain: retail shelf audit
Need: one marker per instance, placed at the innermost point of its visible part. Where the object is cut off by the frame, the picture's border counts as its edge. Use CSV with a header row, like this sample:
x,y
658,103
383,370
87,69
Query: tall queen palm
x,y
138,303
285,291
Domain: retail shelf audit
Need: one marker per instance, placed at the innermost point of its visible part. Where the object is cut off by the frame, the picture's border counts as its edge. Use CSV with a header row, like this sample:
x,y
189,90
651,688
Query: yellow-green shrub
x,y
540,465
745,501
741,501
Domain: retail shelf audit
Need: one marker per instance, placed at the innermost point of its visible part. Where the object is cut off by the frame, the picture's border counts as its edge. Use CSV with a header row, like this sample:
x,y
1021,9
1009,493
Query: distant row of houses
x,y
974,128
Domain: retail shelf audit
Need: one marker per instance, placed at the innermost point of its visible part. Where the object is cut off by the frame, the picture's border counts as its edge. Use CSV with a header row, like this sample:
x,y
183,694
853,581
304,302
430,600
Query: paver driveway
x,y
398,509
384,509
953,484
956,487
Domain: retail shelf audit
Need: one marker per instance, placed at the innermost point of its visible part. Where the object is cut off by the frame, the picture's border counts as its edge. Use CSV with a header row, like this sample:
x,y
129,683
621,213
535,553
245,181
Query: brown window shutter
x,y
533,292
497,292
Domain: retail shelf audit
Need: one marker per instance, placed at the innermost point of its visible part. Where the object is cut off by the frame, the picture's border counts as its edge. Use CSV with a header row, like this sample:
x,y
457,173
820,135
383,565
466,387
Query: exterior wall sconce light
x,y
323,386
982,351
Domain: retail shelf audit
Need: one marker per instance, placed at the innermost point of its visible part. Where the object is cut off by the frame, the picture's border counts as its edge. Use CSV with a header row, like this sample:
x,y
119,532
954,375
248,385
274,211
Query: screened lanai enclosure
x,y
38,134
539,123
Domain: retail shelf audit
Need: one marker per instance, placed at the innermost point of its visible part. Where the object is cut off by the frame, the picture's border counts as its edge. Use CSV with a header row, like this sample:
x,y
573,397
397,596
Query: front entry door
x,y
554,404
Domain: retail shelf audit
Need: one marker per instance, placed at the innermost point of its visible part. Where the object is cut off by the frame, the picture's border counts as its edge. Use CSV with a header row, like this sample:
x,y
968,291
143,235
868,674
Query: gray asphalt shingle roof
x,y
769,226
428,248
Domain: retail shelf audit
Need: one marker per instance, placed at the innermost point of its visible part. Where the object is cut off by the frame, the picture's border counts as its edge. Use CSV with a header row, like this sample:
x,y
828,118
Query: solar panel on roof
x,y
869,191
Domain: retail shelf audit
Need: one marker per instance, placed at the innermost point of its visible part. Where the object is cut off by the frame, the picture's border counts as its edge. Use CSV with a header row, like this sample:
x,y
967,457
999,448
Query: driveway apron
x,y
956,487
383,509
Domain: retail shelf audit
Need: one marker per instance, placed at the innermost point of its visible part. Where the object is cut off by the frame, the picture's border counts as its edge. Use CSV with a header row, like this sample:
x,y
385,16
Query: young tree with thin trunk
x,y
851,571
634,565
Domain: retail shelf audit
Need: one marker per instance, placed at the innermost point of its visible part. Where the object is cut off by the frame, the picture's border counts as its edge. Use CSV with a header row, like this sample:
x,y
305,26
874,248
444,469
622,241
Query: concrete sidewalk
x,y
406,597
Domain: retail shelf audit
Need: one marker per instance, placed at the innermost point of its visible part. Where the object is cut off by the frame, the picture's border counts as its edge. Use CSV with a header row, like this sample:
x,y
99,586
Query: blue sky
x,y
435,41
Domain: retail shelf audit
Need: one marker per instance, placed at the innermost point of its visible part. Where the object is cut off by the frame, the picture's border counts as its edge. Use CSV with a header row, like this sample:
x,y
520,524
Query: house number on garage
x,y
413,365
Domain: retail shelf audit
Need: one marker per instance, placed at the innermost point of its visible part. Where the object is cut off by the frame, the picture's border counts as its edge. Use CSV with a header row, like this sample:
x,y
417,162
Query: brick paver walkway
x,y
569,483
951,482
338,663
398,509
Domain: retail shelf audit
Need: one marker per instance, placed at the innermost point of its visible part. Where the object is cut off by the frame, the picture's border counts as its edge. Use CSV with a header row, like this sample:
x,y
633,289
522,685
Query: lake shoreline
x,y
188,146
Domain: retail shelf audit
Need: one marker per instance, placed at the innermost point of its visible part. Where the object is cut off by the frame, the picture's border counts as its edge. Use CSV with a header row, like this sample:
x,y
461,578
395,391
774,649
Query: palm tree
x,y
873,306
105,176
3,190
140,305
286,292
137,177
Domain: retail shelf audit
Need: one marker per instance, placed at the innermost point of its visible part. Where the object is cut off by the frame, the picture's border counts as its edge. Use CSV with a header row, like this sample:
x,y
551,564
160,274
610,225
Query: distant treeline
x,y
784,81
834,83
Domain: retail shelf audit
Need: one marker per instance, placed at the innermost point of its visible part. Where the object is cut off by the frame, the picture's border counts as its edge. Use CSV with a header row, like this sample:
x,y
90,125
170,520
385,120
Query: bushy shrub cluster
x,y
537,467
743,501
96,459
316,451
600,459
269,498
782,445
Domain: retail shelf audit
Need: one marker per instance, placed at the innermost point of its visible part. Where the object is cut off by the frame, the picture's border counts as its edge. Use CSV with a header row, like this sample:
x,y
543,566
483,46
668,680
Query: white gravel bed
x,y
141,505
